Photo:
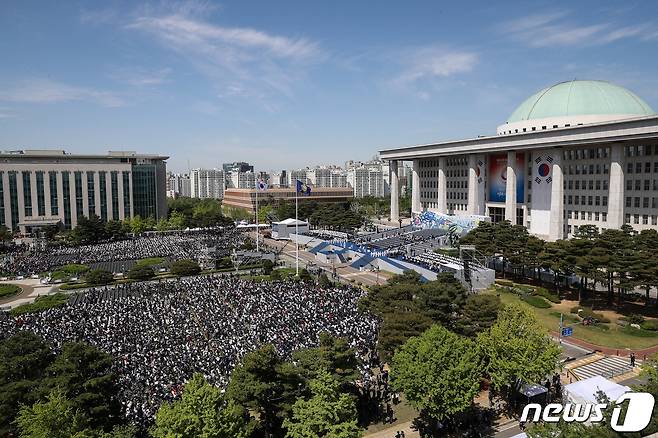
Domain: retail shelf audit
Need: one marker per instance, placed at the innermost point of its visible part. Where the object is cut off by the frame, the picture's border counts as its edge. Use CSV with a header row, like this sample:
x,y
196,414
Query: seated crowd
x,y
161,333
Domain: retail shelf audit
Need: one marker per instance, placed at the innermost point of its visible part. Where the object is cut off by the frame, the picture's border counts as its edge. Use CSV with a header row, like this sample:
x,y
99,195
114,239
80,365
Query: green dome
x,y
578,98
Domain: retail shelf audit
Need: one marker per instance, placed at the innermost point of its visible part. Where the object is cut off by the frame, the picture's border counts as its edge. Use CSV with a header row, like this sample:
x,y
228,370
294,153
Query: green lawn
x,y
7,290
605,335
152,261
41,303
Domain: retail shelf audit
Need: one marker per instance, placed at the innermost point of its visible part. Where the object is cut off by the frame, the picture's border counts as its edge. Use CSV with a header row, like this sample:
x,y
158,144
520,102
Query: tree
x,y
23,357
89,230
99,277
268,266
480,313
184,267
327,413
439,372
263,383
201,412
324,282
177,221
137,225
516,349
5,235
84,374
141,272
333,355
56,417
304,275
442,299
396,328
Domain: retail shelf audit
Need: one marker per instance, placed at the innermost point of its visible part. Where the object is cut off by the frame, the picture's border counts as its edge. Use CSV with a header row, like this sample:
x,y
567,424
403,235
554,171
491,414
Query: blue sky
x,y
292,83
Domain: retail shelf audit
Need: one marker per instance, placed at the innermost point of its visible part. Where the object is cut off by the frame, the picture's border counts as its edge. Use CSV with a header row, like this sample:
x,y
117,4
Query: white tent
x,y
584,391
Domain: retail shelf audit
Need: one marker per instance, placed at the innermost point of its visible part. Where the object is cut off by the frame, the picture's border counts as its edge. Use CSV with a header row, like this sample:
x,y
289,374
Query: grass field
x,y
8,290
41,303
606,335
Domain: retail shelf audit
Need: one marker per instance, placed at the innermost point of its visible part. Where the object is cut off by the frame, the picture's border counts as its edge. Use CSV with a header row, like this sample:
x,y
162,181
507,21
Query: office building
x,y
178,184
45,187
207,183
246,198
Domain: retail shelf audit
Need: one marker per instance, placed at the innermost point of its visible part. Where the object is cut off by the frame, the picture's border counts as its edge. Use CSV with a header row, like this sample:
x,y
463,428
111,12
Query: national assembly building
x,y
47,187
576,153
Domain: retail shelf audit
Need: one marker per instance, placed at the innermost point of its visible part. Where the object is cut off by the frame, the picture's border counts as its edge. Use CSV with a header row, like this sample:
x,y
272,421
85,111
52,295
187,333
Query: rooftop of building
x,y
60,153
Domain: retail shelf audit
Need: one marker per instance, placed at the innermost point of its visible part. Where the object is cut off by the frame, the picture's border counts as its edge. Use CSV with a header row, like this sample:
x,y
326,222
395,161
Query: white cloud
x,y
552,29
240,61
48,91
436,62
140,77
425,70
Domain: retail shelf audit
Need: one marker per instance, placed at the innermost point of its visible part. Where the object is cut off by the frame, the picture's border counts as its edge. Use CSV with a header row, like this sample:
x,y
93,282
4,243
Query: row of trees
x,y
619,260
441,343
74,393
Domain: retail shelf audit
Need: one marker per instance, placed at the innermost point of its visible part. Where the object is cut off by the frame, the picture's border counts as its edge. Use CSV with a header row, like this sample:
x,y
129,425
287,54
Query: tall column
x,y
616,187
120,194
60,196
21,199
108,195
74,210
97,194
510,188
473,189
415,187
85,195
395,191
442,188
556,227
7,200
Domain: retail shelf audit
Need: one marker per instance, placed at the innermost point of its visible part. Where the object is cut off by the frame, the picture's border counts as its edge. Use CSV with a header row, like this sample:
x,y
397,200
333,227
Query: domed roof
x,y
581,98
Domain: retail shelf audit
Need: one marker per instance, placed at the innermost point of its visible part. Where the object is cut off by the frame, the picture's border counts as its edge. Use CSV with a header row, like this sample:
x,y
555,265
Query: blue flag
x,y
303,188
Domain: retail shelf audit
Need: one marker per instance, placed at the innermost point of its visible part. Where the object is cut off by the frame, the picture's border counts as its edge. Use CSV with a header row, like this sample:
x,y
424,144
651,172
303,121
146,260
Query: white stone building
x,y
575,153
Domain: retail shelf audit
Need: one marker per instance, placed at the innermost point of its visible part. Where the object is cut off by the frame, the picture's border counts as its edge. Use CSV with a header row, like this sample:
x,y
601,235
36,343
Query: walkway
x,y
31,288
640,354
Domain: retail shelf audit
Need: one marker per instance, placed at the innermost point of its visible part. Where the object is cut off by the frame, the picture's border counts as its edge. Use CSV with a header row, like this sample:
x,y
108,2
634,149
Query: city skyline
x,y
292,85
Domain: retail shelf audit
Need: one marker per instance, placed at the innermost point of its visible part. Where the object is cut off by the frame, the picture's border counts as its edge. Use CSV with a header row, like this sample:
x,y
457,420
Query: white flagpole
x,y
296,233
257,230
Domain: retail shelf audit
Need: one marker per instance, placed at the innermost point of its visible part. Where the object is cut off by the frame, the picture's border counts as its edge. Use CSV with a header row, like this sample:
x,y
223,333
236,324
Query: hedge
x,y
7,290
588,312
543,292
508,283
41,303
650,324
536,301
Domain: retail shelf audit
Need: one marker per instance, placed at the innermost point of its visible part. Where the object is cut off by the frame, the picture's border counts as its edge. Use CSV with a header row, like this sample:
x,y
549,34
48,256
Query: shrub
x,y
41,303
185,267
275,275
225,263
324,281
98,277
268,266
7,290
543,292
507,283
650,324
73,269
536,301
525,288
141,272
588,312
634,318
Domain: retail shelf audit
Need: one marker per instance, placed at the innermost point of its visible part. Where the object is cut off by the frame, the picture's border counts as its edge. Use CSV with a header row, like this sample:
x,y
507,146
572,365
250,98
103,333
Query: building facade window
x,y
54,207
102,185
79,210
114,180
27,193
91,193
41,196
66,198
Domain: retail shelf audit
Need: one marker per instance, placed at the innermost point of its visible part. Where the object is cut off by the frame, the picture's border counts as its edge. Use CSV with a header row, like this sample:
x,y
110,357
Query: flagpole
x,y
296,233
257,233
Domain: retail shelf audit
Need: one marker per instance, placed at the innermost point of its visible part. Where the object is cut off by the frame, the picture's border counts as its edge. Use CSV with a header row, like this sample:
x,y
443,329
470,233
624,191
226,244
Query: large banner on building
x,y
542,185
461,224
498,177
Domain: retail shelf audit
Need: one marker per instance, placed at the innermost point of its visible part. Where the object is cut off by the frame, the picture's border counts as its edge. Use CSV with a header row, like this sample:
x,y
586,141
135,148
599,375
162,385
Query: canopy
x,y
533,390
584,391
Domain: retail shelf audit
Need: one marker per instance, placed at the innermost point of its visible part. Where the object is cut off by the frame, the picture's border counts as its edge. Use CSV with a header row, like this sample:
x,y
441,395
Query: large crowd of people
x,y
175,246
161,333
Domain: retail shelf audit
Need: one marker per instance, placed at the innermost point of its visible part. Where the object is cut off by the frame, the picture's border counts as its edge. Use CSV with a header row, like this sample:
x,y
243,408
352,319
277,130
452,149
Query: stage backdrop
x,y
498,177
